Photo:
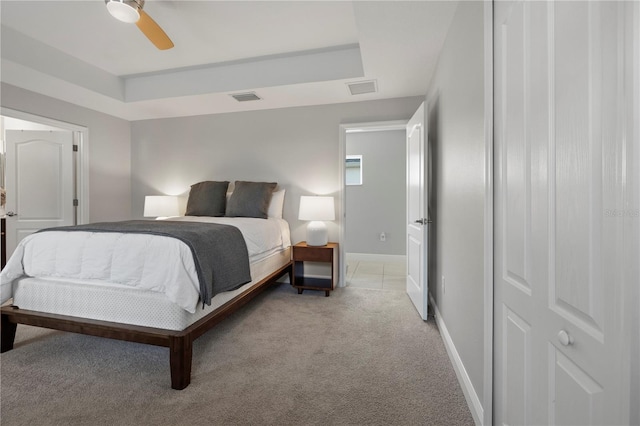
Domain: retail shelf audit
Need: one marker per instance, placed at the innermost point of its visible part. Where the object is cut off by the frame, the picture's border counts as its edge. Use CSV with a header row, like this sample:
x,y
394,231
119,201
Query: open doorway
x,y
374,203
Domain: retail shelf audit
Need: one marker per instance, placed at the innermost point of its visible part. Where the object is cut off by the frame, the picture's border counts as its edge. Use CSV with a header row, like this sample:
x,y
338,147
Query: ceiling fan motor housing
x,y
125,10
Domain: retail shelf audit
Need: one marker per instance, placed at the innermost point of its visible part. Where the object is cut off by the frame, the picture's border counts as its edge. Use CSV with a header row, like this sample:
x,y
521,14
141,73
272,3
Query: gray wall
x,y
109,149
297,147
456,136
379,204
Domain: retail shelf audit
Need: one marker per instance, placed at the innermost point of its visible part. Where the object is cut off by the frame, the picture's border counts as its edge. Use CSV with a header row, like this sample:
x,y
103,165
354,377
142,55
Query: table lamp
x,y
316,209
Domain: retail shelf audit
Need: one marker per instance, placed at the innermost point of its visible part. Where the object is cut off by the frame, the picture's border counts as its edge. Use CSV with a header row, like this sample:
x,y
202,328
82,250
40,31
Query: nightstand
x,y
325,254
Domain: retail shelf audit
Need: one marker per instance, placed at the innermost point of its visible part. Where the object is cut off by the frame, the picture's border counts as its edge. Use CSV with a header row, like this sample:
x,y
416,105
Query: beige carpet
x,y
359,357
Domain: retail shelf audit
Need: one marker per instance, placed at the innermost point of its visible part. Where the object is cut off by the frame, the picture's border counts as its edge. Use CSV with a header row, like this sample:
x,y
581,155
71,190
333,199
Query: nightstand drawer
x,y
313,254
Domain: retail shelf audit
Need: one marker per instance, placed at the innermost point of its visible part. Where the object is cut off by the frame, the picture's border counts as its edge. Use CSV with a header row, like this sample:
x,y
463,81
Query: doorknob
x,y
565,338
423,221
11,214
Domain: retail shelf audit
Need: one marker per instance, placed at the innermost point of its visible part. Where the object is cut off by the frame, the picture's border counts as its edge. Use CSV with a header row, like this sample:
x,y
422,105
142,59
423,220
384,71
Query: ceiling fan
x,y
130,11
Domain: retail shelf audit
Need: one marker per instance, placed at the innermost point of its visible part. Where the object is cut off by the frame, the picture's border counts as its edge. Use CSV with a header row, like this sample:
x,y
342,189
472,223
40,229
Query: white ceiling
x,y
291,53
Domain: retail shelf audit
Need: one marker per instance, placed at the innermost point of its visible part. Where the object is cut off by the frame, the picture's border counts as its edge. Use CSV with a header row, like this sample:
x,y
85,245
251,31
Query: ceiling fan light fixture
x,y
125,10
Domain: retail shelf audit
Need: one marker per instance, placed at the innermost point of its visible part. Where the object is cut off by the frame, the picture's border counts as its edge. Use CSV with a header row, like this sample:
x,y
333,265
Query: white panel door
x,y
39,179
561,154
417,225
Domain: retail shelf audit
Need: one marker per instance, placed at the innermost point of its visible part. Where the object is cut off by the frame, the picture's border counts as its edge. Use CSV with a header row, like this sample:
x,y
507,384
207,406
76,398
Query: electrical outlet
x,y
383,236
443,286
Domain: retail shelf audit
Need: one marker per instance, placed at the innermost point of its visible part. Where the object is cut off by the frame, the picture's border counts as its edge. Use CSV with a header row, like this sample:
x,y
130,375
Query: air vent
x,y
245,97
362,87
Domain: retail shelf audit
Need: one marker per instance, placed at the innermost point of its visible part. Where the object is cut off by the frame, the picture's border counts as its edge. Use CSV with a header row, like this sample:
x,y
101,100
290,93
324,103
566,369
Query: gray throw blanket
x,y
219,251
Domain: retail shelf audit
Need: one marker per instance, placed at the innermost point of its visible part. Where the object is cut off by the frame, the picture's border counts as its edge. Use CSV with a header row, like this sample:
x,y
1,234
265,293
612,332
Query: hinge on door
x,y
75,148
75,202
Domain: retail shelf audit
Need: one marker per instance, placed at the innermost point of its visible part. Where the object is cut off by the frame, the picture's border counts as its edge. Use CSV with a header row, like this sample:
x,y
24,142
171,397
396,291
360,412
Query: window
x,y
353,170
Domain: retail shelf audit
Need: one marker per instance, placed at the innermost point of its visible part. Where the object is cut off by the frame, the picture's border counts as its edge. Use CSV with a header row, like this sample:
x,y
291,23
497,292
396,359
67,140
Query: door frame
x,y
489,247
374,126
81,139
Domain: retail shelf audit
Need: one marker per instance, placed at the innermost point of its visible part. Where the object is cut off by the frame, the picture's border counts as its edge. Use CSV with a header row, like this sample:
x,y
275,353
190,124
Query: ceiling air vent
x,y
245,97
362,87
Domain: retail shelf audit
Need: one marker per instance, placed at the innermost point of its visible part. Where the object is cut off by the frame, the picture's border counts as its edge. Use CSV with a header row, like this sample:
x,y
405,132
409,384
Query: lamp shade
x,y
161,206
316,208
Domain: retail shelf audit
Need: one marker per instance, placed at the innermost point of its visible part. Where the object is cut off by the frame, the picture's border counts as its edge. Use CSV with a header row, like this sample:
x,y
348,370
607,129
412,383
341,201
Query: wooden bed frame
x,y
180,343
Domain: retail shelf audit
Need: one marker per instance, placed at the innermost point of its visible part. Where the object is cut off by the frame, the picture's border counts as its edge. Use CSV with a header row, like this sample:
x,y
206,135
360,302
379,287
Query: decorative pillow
x,y
276,205
207,199
250,199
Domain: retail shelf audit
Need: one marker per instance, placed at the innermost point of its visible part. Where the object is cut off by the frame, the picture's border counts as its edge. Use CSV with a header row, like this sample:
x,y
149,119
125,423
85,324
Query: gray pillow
x,y
250,199
207,198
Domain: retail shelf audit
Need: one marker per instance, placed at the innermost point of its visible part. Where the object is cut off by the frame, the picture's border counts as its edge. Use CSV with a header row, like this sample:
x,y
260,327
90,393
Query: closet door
x,y
562,233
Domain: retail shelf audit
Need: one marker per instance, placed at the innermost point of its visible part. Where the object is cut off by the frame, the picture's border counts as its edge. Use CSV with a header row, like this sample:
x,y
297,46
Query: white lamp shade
x,y
316,208
161,206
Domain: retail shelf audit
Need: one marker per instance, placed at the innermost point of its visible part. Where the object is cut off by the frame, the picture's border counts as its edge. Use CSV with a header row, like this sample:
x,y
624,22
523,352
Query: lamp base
x,y
317,234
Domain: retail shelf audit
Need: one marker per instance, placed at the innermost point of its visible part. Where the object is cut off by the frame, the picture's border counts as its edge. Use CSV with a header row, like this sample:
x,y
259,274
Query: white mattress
x,y
148,262
125,304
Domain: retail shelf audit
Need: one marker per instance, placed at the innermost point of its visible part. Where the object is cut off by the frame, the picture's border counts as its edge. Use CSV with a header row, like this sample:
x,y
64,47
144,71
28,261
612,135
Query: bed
x,y
148,290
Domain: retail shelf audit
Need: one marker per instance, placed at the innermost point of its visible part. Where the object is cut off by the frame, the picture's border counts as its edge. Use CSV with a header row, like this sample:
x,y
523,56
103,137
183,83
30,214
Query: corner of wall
x,y
460,203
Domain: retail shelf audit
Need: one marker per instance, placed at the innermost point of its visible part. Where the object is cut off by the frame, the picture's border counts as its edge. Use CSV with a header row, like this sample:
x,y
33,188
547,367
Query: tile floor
x,y
376,275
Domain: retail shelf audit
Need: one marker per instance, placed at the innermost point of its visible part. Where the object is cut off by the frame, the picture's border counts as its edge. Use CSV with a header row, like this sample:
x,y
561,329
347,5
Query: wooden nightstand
x,y
304,253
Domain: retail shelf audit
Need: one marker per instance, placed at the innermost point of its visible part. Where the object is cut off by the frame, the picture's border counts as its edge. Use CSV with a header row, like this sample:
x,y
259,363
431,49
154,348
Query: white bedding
x,y
128,305
150,262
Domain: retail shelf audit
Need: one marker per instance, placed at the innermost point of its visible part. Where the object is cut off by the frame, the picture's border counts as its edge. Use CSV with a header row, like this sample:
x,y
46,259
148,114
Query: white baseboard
x,y
367,257
475,406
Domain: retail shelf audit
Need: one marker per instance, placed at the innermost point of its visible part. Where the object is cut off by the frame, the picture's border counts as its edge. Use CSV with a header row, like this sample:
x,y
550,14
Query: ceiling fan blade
x,y
154,33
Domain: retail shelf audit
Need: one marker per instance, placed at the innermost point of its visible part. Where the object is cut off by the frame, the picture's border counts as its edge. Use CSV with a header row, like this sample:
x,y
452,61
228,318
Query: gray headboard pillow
x,y
250,199
207,198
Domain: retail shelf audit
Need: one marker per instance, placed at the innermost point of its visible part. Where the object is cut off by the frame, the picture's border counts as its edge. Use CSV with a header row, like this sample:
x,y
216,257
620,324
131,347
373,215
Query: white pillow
x,y
277,204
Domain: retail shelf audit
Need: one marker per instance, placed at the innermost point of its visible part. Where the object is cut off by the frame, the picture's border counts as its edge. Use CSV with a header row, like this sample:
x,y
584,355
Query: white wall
x,y
109,149
378,205
296,147
457,200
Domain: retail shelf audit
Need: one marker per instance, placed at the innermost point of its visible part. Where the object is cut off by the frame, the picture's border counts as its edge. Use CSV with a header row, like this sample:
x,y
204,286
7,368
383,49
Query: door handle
x,y
11,214
423,221
565,338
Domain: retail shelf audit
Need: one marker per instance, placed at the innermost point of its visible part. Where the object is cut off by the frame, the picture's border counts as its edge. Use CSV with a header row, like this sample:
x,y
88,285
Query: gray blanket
x,y
219,251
